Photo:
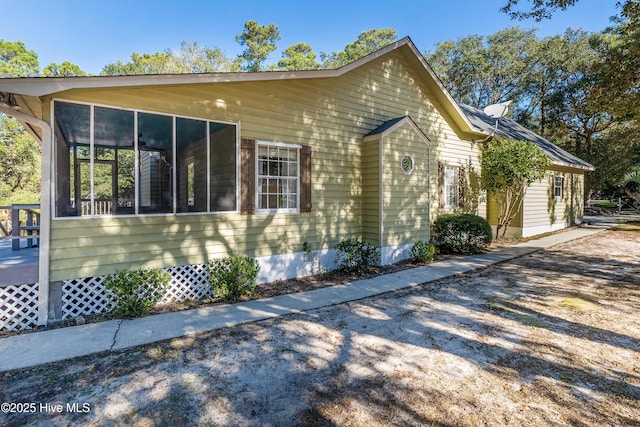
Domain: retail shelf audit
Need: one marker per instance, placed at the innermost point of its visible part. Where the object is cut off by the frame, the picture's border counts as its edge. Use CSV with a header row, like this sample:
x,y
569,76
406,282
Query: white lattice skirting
x,y
18,307
88,295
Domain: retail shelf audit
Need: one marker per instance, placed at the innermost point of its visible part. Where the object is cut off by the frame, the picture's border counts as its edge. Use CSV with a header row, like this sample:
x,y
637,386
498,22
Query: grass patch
x,y
603,204
633,226
575,303
525,319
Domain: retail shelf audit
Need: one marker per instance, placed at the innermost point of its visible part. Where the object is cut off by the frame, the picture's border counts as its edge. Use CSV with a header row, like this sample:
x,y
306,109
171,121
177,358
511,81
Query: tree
x,y
156,63
299,56
544,9
66,69
620,68
577,108
508,168
553,60
20,166
480,72
16,60
367,42
259,41
193,58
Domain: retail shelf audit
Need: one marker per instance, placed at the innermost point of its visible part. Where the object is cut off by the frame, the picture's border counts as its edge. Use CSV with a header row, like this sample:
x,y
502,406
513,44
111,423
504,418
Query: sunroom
x,y
112,161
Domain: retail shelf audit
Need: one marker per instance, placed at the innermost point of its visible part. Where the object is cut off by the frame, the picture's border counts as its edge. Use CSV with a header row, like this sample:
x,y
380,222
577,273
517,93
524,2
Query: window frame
x,y
174,194
456,187
258,199
558,179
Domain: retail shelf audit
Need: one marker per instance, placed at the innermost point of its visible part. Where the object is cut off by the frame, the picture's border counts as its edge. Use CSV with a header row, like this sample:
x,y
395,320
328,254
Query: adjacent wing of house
x,y
555,202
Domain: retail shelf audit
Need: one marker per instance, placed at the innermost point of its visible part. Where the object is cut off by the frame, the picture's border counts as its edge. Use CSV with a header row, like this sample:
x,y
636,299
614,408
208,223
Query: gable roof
x,y
390,126
28,90
511,129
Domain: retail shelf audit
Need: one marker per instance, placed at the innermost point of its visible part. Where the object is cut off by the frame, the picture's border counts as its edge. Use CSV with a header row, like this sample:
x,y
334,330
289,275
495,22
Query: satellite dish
x,y
497,110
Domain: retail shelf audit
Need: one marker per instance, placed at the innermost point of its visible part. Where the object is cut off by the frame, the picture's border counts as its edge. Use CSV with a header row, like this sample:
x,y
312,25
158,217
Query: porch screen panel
x,y
114,162
72,129
223,159
155,150
191,145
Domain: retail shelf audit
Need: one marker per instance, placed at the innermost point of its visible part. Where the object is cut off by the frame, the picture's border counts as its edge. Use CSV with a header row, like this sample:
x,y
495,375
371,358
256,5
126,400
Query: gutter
x,y
45,209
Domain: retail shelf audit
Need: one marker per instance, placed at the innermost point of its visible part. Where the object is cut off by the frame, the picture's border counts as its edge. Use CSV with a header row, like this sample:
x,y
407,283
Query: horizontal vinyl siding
x,y
330,115
576,210
371,192
493,210
541,208
405,210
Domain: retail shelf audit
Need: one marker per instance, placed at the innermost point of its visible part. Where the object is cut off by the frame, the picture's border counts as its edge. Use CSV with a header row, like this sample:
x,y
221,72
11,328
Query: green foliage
x,y
136,291
20,165
233,277
461,233
191,58
540,10
299,56
259,41
16,60
367,42
66,69
479,71
156,63
508,168
355,256
423,251
579,90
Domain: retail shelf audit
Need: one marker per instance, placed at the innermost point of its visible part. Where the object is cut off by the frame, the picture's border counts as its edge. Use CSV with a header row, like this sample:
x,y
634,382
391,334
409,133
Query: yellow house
x,y
170,171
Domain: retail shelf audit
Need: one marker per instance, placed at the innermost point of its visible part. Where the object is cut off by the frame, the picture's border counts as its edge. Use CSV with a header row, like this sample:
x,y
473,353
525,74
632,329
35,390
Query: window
x,y
451,196
558,187
406,164
118,162
278,177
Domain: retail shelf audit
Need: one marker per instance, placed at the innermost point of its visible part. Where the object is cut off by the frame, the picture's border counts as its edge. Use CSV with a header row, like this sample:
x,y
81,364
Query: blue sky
x,y
93,33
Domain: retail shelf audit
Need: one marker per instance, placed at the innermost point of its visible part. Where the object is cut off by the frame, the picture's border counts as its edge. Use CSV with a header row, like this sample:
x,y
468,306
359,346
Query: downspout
x,y
45,210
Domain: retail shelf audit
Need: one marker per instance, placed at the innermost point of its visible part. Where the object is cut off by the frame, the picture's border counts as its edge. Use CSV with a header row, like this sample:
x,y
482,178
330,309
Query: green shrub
x,y
461,233
354,256
136,291
233,277
423,252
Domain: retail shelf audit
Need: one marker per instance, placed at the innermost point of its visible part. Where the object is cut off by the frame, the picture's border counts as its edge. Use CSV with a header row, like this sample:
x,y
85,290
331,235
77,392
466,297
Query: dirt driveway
x,y
552,338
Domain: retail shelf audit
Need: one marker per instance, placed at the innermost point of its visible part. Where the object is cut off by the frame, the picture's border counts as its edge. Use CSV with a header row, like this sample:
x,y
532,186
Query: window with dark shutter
x,y
248,176
462,182
305,179
441,185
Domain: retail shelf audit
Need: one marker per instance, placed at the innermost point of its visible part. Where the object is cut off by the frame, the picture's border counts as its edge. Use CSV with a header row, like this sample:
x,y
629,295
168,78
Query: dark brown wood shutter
x,y
462,183
305,179
248,176
441,185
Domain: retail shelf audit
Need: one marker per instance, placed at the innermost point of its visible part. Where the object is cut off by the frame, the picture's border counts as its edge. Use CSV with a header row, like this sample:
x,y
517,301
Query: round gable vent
x,y
406,164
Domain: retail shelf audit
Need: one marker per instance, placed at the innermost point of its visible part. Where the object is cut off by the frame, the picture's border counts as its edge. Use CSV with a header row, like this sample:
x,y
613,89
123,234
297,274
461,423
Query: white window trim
x,y
136,167
257,183
555,186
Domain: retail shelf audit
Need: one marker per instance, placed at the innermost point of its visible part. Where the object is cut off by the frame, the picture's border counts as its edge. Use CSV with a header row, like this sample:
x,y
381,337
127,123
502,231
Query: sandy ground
x,y
552,338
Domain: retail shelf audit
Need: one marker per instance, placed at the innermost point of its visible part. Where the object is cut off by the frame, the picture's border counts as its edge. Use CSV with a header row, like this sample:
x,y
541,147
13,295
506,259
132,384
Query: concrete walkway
x,y
27,350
